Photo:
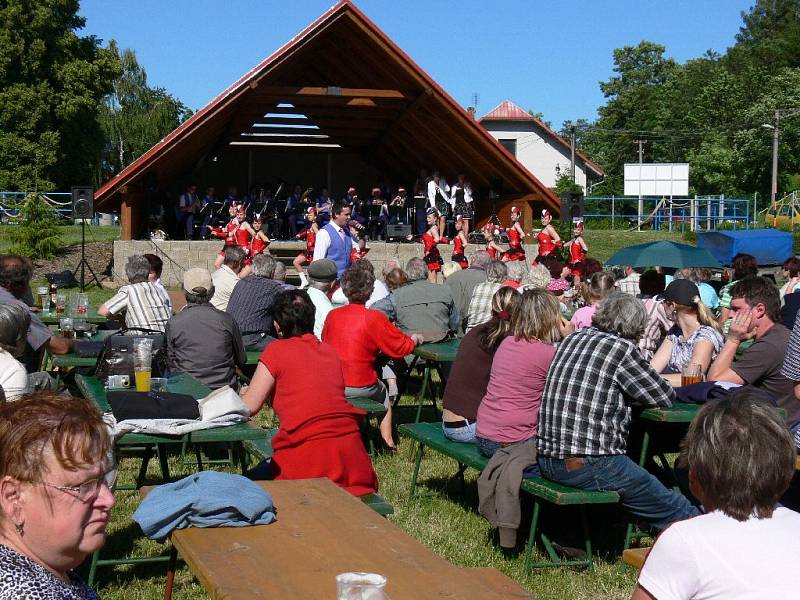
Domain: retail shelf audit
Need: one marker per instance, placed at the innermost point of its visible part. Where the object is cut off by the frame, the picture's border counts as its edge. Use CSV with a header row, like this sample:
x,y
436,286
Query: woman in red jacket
x,y
301,378
359,335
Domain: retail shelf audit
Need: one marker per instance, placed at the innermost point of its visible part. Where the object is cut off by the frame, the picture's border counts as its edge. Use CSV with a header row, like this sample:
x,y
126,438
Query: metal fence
x,y
700,213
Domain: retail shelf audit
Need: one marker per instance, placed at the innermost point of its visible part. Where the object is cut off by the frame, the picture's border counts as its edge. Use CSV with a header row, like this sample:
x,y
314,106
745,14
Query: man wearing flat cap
x,y
321,275
202,340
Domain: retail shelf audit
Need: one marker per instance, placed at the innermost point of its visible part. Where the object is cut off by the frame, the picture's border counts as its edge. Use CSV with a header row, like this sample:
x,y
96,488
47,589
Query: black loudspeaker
x,y
397,232
571,206
495,188
82,202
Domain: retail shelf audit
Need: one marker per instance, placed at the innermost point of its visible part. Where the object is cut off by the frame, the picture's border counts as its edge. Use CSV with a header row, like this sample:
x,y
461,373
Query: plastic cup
x,y
61,303
360,586
692,373
142,357
67,328
40,293
158,384
44,300
83,304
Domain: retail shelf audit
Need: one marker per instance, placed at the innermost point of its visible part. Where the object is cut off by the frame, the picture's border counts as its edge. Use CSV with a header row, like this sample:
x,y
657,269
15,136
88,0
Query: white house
x,y
537,147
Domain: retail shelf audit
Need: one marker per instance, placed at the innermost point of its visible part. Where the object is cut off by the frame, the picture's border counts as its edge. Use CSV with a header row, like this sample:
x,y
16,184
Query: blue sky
x,y
546,56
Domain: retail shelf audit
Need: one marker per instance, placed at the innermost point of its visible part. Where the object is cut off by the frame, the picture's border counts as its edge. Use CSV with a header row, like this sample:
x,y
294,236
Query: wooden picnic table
x,y
435,354
322,531
51,318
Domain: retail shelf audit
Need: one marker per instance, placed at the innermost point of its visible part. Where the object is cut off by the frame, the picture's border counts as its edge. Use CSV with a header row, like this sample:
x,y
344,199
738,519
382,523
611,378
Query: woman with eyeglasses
x,y
55,499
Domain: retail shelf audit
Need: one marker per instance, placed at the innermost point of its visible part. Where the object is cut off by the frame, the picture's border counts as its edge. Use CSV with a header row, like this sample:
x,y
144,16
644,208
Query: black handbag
x,y
117,355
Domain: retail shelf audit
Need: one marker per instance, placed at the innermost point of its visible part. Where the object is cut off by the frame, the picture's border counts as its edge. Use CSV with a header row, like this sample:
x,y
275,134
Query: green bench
x,y
262,449
430,435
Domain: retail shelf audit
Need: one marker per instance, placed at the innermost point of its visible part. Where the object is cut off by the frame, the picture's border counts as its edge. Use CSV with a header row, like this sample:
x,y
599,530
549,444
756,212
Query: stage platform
x,y
178,256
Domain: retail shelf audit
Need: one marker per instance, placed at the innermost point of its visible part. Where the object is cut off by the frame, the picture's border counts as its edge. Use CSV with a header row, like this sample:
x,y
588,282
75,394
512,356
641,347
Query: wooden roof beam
x,y
330,91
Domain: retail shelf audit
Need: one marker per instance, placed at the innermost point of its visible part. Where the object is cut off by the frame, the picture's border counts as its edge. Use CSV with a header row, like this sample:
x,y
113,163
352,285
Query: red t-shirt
x,y
358,334
319,434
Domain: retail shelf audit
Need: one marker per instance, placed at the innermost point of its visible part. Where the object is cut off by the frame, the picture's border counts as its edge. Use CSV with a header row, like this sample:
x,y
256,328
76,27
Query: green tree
x,y
51,81
135,116
37,234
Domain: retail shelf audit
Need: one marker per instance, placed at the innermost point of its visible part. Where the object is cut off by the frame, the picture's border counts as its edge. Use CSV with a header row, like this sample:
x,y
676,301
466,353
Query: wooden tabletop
x,y
322,531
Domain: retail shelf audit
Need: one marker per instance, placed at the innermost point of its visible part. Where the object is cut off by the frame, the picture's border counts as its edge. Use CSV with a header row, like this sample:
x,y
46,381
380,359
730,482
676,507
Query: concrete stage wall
x,y
178,256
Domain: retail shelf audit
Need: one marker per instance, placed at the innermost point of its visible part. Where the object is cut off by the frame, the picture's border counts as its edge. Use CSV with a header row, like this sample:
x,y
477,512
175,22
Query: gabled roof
x,y
508,111
340,82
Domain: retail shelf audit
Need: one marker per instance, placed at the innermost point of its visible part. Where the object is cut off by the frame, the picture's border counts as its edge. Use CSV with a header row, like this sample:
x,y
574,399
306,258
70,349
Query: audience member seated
x,y
742,265
147,307
755,311
450,267
516,272
630,283
321,275
480,306
537,278
469,376
359,335
394,279
55,496
651,284
424,307
509,411
791,272
595,289
154,276
462,283
379,290
251,302
701,277
694,340
202,340
596,377
301,379
14,323
15,278
280,276
227,276
741,459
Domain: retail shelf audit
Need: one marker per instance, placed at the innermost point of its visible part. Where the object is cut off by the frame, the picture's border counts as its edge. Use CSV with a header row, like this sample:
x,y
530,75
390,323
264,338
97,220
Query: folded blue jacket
x,y
206,499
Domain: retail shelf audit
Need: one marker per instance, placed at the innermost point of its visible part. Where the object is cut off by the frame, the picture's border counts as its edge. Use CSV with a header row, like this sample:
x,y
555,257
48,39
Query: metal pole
x,y
775,137
612,211
572,149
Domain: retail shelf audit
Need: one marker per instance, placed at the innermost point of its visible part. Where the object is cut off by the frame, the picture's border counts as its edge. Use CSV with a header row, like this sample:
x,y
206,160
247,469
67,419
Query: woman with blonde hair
x,y
509,411
698,338
595,289
469,375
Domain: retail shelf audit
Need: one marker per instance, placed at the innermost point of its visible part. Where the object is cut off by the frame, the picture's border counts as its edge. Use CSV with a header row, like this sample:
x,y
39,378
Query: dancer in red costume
x,y
260,239
515,236
309,234
430,240
577,250
490,232
228,233
459,243
548,237
359,252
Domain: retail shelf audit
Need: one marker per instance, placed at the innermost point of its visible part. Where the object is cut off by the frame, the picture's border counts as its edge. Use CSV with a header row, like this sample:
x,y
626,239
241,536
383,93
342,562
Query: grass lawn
x,y
70,234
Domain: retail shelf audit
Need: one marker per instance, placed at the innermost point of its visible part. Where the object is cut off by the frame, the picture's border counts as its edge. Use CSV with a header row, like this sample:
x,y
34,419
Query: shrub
x,y
37,234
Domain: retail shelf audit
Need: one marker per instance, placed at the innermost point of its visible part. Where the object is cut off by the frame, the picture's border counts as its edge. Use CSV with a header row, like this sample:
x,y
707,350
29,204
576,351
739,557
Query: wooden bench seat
x,y
430,435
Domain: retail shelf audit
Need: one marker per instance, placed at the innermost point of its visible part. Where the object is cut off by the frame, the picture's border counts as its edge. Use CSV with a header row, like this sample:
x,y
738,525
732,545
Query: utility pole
x,y
776,128
572,148
641,144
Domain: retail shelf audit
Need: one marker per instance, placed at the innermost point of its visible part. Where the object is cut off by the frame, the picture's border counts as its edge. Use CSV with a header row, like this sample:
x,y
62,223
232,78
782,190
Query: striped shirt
x,y
592,383
146,306
629,284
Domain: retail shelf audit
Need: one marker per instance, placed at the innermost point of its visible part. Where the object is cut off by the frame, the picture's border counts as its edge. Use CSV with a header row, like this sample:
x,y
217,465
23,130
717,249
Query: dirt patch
x,y
99,255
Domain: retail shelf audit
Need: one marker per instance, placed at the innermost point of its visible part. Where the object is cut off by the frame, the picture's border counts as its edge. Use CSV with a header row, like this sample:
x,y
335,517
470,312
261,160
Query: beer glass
x,y
692,373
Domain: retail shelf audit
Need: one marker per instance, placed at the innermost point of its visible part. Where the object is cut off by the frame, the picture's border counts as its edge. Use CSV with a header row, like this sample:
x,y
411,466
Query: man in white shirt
x,y
145,306
741,460
439,198
337,249
630,283
321,275
227,276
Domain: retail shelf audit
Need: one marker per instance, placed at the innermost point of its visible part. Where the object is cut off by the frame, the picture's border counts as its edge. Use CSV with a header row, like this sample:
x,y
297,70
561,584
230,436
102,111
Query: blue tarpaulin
x,y
769,246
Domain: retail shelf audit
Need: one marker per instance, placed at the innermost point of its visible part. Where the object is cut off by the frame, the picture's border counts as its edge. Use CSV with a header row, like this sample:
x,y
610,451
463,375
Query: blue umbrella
x,y
664,254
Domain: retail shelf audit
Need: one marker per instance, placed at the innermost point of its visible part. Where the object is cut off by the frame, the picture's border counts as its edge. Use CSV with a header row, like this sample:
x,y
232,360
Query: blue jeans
x,y
460,434
641,493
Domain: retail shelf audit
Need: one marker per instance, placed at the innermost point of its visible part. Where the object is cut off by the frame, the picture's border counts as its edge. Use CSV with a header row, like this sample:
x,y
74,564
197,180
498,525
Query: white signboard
x,y
656,179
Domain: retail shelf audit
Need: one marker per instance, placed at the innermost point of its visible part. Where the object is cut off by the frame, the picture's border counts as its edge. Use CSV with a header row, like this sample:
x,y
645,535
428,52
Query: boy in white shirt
x,y
741,459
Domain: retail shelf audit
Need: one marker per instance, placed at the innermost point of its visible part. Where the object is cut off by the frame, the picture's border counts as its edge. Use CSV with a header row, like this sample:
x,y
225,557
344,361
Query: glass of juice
x,y
142,357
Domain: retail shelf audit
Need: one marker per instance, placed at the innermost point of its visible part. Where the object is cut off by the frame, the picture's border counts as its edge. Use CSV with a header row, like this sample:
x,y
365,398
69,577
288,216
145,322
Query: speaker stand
x,y
84,264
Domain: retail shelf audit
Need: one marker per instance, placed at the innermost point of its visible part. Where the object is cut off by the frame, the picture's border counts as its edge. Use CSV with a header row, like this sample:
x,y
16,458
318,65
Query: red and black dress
x,y
228,233
432,257
576,253
356,254
458,252
243,237
515,250
310,236
491,252
257,246
547,245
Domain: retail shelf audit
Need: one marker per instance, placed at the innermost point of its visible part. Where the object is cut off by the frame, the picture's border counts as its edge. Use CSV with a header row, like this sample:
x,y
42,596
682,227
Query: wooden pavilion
x,y
337,105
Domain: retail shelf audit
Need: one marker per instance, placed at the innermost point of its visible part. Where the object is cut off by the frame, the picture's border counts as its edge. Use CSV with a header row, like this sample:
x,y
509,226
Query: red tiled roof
x,y
508,111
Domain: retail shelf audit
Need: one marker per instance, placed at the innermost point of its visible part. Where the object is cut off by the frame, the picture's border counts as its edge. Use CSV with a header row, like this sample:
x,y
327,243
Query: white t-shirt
x,y
13,377
715,557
